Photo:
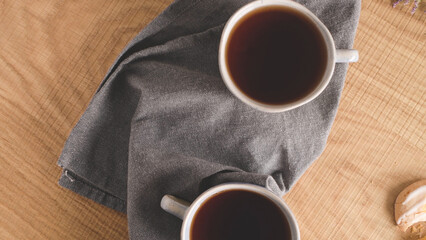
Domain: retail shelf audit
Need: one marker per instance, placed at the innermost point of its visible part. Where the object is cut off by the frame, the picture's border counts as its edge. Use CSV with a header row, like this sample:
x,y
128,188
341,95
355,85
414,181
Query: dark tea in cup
x,y
239,214
276,55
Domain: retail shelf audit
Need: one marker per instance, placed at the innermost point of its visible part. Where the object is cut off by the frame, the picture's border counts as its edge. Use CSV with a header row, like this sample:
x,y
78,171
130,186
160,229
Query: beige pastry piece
x,y
410,205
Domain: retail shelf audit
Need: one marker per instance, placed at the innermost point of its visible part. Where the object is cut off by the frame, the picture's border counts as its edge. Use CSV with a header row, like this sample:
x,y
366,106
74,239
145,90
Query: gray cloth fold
x,y
163,122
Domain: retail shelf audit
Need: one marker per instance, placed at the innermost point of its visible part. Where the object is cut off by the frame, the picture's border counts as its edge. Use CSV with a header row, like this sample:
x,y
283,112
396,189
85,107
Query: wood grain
x,y
55,53
377,144
53,56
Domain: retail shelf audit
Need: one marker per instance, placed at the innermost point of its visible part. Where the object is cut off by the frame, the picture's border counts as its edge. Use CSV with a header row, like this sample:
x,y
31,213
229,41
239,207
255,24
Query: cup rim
x,y
196,204
234,19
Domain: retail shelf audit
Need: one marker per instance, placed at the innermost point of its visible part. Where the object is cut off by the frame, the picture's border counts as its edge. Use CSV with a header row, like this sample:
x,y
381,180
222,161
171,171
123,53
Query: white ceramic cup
x,y
187,211
333,55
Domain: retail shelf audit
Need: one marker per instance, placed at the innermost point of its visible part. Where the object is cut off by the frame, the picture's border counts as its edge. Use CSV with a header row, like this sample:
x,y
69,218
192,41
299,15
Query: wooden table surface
x,y
54,54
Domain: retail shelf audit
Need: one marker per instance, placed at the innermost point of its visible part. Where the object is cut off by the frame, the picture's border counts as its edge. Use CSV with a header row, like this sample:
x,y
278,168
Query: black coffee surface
x,y
276,55
239,214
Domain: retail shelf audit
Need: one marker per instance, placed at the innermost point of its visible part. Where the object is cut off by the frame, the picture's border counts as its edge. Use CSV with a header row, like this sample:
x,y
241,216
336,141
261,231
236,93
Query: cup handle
x,y
174,206
346,55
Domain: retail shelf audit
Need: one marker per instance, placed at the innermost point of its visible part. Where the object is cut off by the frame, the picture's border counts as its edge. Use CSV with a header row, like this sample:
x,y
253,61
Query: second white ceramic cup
x,y
186,211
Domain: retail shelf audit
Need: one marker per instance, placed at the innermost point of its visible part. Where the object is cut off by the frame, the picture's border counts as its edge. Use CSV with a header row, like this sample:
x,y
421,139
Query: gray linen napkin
x,y
163,122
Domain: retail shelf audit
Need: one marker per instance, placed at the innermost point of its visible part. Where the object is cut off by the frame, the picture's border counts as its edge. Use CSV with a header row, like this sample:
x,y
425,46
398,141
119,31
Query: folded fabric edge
x,y
74,183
